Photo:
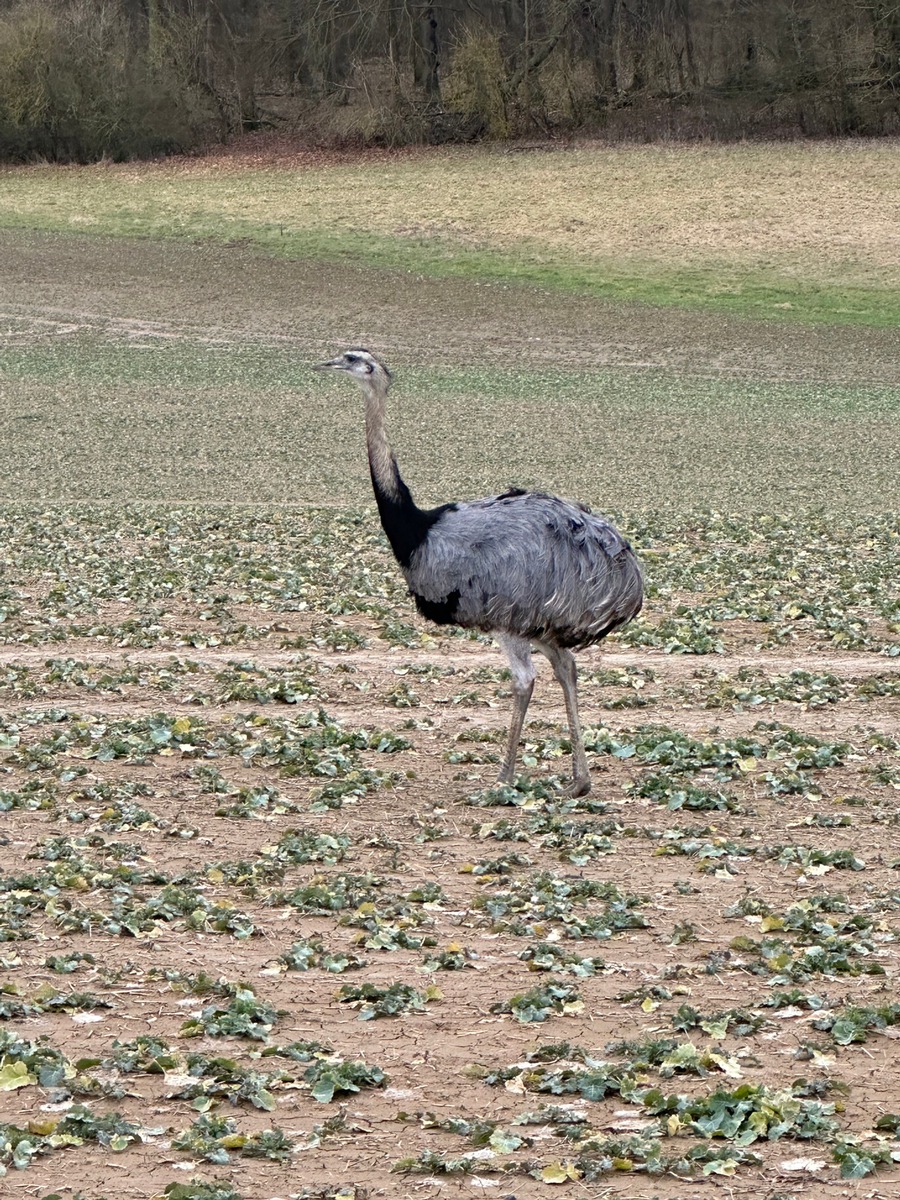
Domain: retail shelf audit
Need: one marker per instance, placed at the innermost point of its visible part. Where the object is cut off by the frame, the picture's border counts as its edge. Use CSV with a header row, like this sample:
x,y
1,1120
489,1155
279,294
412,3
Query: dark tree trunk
x,y
431,52
599,21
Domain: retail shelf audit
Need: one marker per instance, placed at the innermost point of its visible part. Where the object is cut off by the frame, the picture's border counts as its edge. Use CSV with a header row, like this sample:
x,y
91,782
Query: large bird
x,y
531,569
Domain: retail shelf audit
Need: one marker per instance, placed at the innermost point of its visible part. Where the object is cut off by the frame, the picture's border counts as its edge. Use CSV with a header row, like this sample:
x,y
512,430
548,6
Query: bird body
x,y
528,567
527,564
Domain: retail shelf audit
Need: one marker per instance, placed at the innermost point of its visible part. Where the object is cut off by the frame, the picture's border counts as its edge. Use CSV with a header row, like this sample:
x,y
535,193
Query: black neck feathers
x,y
405,524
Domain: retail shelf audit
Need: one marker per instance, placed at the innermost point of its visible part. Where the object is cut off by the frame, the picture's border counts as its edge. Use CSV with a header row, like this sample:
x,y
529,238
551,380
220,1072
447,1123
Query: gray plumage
x,y
531,565
532,569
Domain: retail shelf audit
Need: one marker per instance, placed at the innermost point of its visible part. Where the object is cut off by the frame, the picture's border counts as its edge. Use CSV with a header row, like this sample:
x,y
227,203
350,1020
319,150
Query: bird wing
x,y
528,564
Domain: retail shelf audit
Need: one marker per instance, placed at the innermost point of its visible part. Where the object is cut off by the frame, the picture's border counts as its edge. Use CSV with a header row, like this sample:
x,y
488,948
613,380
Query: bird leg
x,y
518,652
565,670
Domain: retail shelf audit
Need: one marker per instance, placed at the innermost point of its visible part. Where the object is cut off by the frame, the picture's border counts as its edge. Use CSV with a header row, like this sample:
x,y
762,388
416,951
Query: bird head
x,y
363,366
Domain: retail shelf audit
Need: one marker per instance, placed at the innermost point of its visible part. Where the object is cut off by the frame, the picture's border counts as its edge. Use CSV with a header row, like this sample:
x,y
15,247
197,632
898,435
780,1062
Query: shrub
x,y
76,86
475,85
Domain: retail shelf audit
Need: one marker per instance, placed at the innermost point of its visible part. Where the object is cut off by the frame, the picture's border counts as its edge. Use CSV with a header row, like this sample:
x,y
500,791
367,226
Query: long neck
x,y
404,523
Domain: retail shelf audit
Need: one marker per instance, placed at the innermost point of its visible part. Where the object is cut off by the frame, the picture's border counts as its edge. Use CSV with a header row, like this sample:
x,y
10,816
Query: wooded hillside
x,y
82,79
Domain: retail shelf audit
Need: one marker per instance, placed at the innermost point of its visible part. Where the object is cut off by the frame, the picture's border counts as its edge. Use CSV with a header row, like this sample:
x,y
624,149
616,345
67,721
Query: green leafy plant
x,y
244,1016
542,1002
216,1138
335,1076
549,956
375,1002
199,1189
307,954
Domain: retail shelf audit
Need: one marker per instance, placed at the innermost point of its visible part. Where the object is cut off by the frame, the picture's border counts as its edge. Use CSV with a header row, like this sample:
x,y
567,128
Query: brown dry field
x,y
419,829
791,210
427,1055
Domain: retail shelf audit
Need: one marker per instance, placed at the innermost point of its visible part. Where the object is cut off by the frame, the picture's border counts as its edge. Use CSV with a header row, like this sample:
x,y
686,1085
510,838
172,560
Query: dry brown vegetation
x,y
816,211
792,231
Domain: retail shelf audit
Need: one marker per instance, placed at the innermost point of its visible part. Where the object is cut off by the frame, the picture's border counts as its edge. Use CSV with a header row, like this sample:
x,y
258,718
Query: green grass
x,y
796,231
720,287
91,417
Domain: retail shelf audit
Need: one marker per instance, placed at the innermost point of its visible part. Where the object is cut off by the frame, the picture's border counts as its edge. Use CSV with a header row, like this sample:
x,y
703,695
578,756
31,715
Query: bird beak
x,y
337,363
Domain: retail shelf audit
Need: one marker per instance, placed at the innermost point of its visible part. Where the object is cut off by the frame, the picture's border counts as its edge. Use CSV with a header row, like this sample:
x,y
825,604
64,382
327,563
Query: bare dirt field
x,y
242,782
269,928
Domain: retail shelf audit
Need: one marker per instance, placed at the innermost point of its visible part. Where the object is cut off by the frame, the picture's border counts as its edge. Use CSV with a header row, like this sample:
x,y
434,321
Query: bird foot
x,y
579,787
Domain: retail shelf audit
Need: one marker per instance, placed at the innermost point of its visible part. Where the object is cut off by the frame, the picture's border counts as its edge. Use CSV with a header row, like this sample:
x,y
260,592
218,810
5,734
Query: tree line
x,y
87,79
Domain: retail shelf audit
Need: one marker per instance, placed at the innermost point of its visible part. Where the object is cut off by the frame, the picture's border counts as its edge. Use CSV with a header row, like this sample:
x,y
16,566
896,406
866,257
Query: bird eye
x,y
352,357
